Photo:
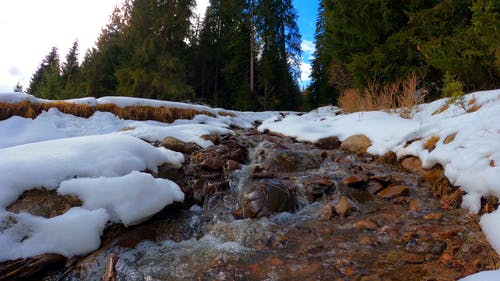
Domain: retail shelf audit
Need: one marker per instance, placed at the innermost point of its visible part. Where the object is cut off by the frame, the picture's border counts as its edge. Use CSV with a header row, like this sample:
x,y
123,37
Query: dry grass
x,y
162,114
402,94
430,143
449,138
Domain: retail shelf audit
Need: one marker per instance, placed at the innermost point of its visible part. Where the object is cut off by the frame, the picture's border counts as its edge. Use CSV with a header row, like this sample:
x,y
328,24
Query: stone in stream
x,y
269,197
356,143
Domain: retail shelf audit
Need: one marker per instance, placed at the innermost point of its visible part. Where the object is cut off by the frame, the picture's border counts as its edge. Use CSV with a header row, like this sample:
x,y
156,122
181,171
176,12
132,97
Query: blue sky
x,y
307,11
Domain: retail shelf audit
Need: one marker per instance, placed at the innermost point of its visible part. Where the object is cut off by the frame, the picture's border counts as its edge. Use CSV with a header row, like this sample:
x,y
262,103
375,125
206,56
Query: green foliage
x,y
47,82
453,89
361,41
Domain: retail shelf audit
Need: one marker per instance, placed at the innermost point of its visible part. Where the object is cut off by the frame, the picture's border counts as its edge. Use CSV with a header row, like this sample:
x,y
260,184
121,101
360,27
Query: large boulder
x,y
269,197
356,143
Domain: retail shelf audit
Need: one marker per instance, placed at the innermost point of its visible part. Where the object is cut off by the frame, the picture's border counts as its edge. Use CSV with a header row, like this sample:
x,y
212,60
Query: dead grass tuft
x,y
430,143
402,94
141,113
449,138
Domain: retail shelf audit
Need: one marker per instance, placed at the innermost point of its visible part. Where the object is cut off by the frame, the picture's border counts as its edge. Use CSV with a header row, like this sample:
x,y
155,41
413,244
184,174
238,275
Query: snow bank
x,y
129,199
49,163
491,275
76,232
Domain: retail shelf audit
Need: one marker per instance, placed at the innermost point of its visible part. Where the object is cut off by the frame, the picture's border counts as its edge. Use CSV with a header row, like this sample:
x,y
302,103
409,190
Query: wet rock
x,y
212,163
413,258
316,187
326,212
231,165
329,143
44,203
414,205
374,186
210,137
344,207
394,191
433,216
366,224
268,198
356,180
356,143
178,145
412,164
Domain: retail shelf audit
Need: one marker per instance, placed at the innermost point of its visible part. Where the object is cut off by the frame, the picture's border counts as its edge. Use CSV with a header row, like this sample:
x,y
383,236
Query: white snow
x,y
75,232
490,275
49,163
129,199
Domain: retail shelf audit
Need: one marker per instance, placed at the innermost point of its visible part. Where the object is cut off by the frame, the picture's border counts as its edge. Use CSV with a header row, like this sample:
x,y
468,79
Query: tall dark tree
x,y
322,91
46,82
279,62
224,53
70,73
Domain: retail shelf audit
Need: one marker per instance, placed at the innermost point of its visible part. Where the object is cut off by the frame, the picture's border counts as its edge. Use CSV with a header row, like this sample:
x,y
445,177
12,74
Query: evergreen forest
x,y
245,54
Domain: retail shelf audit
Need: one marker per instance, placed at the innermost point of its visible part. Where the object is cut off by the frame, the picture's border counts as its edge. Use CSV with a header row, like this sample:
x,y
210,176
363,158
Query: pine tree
x,y
70,73
46,82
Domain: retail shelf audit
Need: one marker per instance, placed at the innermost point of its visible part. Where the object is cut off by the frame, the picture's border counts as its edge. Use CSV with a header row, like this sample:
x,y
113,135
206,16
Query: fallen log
x,y
23,268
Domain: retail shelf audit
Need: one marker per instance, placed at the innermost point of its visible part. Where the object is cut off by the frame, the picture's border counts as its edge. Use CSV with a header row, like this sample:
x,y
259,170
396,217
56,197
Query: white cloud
x,y
305,69
308,47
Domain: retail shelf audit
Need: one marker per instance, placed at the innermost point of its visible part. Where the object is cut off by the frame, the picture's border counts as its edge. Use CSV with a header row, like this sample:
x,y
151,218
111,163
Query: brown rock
x,y
394,191
356,143
43,203
329,143
414,205
178,145
412,164
212,163
374,186
413,258
365,224
326,212
354,180
211,137
433,216
344,207
231,165
268,198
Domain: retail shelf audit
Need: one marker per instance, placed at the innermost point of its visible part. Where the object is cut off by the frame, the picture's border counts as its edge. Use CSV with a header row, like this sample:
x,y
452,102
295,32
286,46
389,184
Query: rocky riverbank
x,y
265,207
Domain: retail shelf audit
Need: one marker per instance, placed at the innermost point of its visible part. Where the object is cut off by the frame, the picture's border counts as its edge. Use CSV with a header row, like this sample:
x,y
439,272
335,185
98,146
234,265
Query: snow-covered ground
x,y
471,161
78,156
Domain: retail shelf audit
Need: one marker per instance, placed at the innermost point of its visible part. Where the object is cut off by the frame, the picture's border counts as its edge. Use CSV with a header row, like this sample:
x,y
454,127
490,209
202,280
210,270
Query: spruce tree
x,y
70,73
46,82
